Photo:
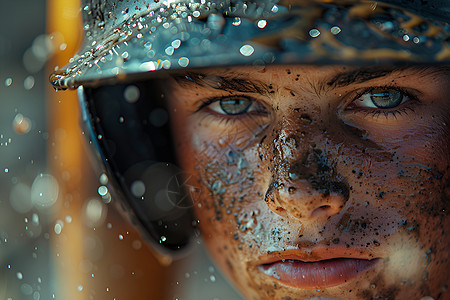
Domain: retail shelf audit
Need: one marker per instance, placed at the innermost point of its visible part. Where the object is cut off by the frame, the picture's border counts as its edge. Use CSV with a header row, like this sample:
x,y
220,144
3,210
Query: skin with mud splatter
x,y
351,161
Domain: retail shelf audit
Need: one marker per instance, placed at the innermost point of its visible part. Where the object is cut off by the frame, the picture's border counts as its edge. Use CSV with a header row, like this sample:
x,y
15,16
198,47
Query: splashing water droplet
x,y
94,212
137,188
44,191
131,93
28,83
58,228
103,179
21,124
102,190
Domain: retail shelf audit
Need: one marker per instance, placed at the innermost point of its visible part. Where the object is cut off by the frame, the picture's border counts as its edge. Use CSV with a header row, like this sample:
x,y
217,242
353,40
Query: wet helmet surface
x,y
130,45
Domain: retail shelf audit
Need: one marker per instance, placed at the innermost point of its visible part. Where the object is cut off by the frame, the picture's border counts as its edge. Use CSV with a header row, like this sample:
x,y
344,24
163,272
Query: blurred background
x,y
59,236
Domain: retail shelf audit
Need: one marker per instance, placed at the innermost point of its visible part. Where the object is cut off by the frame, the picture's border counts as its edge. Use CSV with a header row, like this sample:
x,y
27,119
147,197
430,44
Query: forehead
x,y
258,79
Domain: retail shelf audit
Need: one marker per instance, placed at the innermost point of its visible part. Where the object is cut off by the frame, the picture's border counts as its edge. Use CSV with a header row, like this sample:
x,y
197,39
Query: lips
x,y
317,268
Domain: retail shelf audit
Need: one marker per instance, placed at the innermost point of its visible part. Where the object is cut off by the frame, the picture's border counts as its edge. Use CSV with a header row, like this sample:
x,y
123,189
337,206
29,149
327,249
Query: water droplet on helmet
x,y
335,30
314,33
247,50
183,62
262,23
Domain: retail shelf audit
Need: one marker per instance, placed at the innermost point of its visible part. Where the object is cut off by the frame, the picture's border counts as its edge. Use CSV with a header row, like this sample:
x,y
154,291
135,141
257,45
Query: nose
x,y
306,190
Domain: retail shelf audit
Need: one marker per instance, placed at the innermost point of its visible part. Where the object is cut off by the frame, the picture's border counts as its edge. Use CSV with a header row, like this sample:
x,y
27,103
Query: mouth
x,y
313,274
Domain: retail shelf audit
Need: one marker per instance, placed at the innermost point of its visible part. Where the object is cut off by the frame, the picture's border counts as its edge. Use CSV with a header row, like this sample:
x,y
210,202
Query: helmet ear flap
x,y
130,128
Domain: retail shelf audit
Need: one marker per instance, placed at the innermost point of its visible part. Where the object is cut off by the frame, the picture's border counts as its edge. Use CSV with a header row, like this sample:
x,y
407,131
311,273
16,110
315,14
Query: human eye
x,y
383,100
230,106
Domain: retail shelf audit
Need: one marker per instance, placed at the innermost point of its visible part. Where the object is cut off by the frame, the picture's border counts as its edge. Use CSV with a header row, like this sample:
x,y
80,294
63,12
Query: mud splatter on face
x,y
308,178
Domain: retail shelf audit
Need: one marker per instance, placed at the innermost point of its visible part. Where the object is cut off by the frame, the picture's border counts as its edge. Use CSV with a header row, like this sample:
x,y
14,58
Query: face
x,y
326,182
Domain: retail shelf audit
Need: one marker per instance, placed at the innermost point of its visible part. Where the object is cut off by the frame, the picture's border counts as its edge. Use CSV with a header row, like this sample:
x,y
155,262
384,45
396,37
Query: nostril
x,y
323,211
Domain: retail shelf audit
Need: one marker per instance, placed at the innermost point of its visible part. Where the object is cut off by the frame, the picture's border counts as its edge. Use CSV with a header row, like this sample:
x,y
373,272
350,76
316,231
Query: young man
x,y
311,137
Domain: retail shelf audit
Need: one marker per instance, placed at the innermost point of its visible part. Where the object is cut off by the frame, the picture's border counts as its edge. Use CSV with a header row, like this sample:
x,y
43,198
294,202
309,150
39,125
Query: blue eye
x,y
232,106
382,98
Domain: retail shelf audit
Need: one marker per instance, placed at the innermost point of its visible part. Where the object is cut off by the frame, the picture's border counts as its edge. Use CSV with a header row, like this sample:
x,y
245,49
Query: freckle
x,y
292,93
291,189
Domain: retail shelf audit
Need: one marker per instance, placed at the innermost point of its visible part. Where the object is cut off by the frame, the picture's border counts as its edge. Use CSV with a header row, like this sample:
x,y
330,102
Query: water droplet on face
x,y
120,237
80,288
314,33
131,93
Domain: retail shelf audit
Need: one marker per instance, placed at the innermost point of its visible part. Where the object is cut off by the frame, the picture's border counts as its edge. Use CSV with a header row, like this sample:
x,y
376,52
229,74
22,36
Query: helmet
x,y
129,38
130,45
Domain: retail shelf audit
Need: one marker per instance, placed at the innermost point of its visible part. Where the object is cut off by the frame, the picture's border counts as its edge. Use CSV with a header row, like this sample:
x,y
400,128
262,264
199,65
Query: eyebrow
x,y
235,83
364,74
224,83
